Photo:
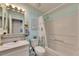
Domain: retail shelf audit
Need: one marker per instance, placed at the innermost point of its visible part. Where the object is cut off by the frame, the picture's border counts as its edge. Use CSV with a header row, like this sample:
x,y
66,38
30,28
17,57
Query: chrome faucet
x,y
1,36
1,40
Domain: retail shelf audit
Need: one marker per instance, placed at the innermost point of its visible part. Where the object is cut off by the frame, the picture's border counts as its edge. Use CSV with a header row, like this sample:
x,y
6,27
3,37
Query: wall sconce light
x,y
7,4
23,10
19,8
14,8
10,6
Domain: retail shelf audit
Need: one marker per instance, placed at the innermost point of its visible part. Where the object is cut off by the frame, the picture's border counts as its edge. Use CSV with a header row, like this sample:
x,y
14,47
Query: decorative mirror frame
x,y
4,19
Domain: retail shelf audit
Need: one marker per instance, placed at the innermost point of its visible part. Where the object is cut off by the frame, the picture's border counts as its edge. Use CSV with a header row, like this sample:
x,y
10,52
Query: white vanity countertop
x,y
13,45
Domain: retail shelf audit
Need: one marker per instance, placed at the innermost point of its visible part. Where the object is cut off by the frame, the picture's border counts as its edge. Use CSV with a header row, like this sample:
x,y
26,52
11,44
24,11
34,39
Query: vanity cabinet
x,y
19,51
19,48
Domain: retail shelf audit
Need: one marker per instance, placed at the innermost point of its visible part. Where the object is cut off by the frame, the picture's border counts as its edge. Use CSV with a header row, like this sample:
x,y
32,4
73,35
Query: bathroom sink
x,y
8,45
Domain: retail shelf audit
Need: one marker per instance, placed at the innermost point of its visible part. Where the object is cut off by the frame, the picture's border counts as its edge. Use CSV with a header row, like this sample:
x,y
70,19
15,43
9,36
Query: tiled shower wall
x,y
62,30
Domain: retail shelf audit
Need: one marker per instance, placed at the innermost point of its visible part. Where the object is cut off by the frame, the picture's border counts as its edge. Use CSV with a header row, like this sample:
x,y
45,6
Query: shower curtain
x,y
42,33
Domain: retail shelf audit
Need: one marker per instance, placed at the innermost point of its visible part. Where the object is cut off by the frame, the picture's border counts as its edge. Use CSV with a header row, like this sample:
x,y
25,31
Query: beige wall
x,y
62,30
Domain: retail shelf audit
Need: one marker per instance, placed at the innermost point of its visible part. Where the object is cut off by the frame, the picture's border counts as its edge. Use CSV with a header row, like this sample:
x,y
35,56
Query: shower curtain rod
x,y
53,9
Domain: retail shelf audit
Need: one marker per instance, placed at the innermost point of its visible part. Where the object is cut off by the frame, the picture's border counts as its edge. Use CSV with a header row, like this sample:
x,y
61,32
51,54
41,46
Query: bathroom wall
x,y
62,30
33,17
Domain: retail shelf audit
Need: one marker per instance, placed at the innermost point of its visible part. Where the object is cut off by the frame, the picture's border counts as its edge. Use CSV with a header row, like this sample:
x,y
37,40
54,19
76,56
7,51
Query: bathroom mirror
x,y
16,18
17,26
16,22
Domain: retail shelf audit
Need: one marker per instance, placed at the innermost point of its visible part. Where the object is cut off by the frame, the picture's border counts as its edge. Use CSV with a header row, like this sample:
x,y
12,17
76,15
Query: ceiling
x,y
44,7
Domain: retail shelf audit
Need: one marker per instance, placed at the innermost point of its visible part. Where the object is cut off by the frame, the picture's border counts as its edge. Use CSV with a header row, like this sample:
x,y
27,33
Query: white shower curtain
x,y
42,32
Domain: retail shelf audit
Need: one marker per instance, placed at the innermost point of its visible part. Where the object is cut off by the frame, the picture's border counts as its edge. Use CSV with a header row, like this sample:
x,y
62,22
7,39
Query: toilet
x,y
40,51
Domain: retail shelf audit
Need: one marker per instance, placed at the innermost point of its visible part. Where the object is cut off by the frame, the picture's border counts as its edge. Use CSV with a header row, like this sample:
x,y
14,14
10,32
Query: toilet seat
x,y
39,50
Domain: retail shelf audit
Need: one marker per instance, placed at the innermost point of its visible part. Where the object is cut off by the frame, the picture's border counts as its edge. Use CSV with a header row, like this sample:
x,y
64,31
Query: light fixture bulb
x,y
23,10
7,4
13,6
19,8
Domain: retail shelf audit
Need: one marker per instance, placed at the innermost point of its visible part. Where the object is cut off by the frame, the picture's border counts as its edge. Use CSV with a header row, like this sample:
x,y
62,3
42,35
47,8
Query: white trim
x,y
2,16
6,25
10,25
53,9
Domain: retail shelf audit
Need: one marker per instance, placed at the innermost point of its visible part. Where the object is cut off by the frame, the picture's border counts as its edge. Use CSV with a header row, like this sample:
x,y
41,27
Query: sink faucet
x,y
1,36
1,39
